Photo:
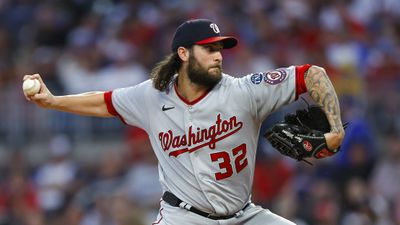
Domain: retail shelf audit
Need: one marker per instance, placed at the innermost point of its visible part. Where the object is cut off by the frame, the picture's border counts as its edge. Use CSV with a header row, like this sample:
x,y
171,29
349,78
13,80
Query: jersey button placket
x,y
190,109
187,118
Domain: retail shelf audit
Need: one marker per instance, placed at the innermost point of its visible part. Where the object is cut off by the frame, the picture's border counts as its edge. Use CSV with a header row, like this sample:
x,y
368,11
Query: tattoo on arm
x,y
323,93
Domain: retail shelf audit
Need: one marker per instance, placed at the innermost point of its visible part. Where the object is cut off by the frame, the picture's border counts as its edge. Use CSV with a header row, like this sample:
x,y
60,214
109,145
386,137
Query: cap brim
x,y
228,42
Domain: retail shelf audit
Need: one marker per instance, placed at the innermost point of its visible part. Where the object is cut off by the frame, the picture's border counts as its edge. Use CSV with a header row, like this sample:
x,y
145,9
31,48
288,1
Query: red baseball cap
x,y
200,31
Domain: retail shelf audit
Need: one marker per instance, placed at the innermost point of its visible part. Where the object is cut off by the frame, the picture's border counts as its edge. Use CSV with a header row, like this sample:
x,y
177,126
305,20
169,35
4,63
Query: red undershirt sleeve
x,y
110,106
300,83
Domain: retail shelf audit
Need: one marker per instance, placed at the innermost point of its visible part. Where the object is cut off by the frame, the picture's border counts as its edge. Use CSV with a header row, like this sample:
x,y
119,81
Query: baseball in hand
x,y
31,86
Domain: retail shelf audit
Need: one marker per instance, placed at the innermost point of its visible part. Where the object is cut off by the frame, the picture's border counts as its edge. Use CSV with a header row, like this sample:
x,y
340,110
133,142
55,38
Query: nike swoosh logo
x,y
167,108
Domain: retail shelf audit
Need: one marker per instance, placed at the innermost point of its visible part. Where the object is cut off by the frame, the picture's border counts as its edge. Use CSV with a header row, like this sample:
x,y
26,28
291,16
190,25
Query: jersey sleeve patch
x,y
257,78
275,76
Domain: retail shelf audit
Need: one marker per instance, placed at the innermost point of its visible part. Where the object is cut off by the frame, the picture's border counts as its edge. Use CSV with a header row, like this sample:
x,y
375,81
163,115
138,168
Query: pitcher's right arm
x,y
85,104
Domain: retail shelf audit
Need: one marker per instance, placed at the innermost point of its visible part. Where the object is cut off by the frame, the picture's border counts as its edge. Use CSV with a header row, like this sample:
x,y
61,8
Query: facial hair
x,y
200,75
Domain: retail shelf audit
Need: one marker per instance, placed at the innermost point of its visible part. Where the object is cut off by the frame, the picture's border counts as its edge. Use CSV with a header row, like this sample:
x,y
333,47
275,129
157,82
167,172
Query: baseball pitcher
x,y
204,125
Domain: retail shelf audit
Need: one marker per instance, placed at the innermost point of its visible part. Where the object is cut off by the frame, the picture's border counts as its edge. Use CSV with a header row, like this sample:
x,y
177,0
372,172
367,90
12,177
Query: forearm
x,y
86,104
323,93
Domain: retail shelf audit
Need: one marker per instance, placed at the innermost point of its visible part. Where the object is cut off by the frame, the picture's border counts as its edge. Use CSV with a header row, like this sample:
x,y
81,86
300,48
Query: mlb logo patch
x,y
257,78
275,76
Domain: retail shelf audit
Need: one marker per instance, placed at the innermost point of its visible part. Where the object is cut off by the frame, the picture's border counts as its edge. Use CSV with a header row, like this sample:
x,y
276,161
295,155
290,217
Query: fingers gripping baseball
x,y
36,91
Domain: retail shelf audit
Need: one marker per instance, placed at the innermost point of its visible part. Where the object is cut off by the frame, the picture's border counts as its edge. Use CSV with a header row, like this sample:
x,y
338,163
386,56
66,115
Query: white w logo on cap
x,y
215,28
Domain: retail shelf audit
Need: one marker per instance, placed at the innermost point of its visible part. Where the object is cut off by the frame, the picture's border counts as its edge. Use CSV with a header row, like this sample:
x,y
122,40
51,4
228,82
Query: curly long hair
x,y
163,71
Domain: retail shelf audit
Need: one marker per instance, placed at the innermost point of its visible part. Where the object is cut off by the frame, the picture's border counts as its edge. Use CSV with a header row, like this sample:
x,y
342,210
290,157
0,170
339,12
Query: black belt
x,y
171,199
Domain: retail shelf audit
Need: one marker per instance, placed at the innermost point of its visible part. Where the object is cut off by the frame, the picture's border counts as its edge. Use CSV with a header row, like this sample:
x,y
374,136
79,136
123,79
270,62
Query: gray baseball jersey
x,y
207,148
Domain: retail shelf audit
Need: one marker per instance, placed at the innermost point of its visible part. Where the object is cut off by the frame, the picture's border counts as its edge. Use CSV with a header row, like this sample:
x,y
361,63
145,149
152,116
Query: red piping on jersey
x,y
161,217
110,106
185,100
300,83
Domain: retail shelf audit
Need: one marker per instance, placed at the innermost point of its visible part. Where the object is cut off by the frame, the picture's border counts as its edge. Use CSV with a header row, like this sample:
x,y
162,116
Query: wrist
x,y
54,102
334,139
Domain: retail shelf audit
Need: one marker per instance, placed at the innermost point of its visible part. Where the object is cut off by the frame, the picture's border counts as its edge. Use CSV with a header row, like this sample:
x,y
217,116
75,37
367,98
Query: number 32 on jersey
x,y
226,165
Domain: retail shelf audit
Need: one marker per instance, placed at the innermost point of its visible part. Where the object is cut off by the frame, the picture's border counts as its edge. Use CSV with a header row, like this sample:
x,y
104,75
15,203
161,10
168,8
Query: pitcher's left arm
x,y
323,93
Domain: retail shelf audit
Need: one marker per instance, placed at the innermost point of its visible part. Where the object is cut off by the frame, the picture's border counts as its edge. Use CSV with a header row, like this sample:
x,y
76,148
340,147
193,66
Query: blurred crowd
x,y
87,45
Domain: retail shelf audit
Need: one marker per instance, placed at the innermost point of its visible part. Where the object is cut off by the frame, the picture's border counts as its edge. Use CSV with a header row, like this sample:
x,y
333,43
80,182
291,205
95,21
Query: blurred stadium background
x,y
61,169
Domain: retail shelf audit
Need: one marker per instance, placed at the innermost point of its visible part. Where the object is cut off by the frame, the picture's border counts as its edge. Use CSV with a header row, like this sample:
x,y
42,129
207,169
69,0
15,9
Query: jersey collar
x,y
187,102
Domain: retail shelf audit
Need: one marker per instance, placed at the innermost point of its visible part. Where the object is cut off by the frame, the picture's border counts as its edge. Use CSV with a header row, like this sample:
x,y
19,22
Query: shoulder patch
x,y
275,76
257,78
